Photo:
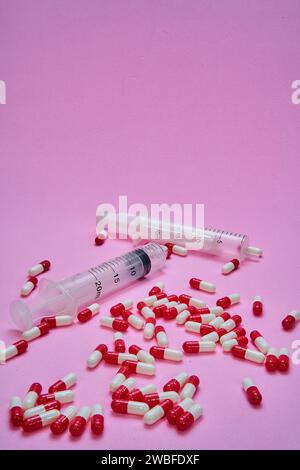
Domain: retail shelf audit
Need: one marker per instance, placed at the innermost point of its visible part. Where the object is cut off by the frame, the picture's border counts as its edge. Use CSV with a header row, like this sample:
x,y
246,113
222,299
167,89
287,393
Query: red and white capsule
x,y
138,394
158,412
121,307
253,394
227,301
143,368
233,334
191,387
192,347
129,407
119,378
88,313
149,301
96,356
182,317
283,360
259,341
199,318
189,417
63,384
179,409
125,388
119,343
199,328
166,353
145,310
29,286
114,323
208,310
118,358
248,354
176,383
191,301
37,410
149,328
218,322
101,237
161,336
157,288
290,320
80,421
65,396
239,341
57,321
199,284
39,421
40,330
133,320
97,419
15,349
230,266
153,399
257,306
213,336
229,325
39,268
62,422
32,395
272,360
16,411
142,355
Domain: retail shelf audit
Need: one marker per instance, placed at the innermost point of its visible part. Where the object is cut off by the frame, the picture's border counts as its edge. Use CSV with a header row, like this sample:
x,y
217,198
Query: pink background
x,y
163,101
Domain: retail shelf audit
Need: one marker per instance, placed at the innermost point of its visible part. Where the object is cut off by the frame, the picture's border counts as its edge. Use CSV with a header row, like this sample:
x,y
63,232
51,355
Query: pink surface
x,y
164,101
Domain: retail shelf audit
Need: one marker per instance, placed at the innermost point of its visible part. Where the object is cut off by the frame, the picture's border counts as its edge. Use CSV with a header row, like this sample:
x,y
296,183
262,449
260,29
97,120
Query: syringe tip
x,y
254,251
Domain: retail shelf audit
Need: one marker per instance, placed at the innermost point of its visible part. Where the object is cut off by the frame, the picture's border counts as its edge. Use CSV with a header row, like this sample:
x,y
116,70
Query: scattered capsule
x,y
37,410
161,336
129,407
290,320
88,313
80,421
230,266
118,358
32,396
16,411
35,332
62,422
133,320
189,417
96,356
101,237
149,301
119,378
178,410
213,336
233,334
166,353
159,310
149,328
145,310
158,412
138,394
15,349
153,399
157,288
39,421
39,268
63,384
125,388
196,327
143,368
259,341
207,310
166,300
29,286
191,301
230,325
182,317
178,250
257,306
121,307
176,383
114,323
283,360
272,360
65,396
227,301
218,322
202,285
191,347
97,419
253,394
57,320
119,343
239,341
172,312
191,386
248,354
142,355
199,318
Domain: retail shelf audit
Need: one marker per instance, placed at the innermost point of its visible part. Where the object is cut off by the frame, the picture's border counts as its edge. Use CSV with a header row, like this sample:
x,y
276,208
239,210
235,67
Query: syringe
x,y
216,242
67,296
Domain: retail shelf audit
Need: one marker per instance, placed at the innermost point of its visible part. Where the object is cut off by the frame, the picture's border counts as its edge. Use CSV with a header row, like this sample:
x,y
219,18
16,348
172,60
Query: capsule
x,y
196,327
89,312
29,286
227,301
272,360
176,383
199,318
179,250
149,328
119,378
153,399
118,358
145,310
182,317
157,288
39,268
63,384
166,353
129,407
96,356
189,417
239,341
160,310
160,336
190,388
213,336
138,394
259,341
191,301
32,396
57,321
15,349
114,323
173,312
39,421
133,320
233,334
178,410
62,422
170,299
257,306
207,310
230,266
80,421
97,419
218,322
35,332
121,307
253,394
290,320
141,355
191,347
158,412
229,325
119,343
202,285
143,368
65,396
16,411
37,410
149,301
125,388
283,360
101,237
248,354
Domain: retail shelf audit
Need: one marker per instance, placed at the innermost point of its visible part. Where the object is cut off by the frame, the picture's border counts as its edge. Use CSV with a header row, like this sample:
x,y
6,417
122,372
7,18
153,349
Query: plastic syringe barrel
x,y
67,296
